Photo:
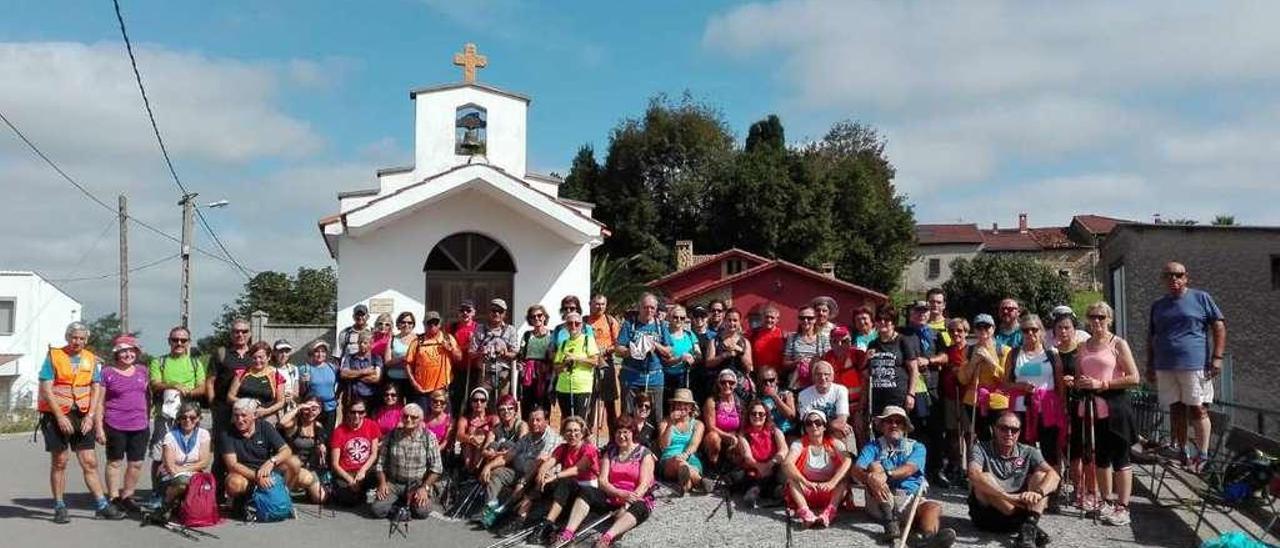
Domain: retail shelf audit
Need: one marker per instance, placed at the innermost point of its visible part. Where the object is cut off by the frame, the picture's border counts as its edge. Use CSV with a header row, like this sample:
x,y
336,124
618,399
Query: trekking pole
x,y
590,528
1092,449
786,511
964,436
911,515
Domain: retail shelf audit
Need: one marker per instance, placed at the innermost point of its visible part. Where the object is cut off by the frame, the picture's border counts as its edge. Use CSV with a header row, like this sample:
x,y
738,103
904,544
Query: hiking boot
x,y
752,498
127,505
1027,536
1042,538
943,538
60,515
109,512
1055,504
891,531
543,534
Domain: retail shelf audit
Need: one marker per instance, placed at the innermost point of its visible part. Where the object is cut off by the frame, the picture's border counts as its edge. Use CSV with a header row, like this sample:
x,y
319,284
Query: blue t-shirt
x,y
46,369
323,384
646,371
681,346
1011,339
908,451
1179,329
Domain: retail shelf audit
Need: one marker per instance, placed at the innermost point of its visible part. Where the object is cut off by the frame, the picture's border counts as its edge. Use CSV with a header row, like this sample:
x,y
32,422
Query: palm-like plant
x,y
617,280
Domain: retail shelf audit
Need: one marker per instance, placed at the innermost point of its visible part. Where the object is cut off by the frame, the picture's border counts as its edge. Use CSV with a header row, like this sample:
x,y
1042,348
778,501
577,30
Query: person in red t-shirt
x,y
849,362
767,340
461,331
353,451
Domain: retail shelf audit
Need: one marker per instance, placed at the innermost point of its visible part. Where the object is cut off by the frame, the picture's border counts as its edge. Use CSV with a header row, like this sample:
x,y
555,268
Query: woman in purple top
x,y
123,425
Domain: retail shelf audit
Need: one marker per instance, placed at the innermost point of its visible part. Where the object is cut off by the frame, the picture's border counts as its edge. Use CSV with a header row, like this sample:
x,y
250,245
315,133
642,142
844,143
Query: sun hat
x,y
683,395
895,411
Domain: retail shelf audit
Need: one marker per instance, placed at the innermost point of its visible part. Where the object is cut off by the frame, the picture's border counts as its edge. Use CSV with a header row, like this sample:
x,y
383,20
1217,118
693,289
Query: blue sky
x,y
990,108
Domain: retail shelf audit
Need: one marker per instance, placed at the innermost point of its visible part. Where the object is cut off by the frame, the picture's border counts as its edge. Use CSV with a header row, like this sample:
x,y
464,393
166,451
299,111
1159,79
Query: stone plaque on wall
x,y
382,305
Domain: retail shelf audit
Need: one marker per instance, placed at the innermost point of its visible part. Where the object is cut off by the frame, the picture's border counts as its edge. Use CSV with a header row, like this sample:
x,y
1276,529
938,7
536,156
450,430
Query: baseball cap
x,y
983,319
360,309
467,303
432,316
919,305
498,303
698,311
282,344
125,342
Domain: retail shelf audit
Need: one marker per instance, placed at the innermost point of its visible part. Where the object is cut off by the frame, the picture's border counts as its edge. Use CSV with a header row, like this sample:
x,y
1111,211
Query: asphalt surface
x,y
26,513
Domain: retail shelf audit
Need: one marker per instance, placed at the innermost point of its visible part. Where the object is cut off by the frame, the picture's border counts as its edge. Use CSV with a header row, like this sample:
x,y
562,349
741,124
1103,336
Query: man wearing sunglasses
x,y
892,468
1186,341
176,378
225,363
494,348
407,468
1011,482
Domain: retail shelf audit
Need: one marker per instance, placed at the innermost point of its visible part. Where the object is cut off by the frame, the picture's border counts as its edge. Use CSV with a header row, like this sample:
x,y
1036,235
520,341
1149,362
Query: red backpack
x,y
200,507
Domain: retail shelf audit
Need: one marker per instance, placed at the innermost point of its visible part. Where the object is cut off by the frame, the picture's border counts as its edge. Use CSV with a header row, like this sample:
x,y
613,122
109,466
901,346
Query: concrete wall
x,y
915,276
1234,266
434,130
299,335
1079,262
388,262
41,315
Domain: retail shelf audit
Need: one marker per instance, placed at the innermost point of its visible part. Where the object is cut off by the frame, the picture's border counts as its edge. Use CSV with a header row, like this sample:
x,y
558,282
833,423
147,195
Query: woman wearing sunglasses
x,y
507,430
762,449
816,468
309,440
396,371
187,450
802,348
475,429
626,482
1035,379
679,437
536,353
437,419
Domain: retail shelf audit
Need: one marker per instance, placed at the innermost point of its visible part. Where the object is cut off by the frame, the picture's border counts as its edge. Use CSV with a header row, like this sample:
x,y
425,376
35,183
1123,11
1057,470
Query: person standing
x,y
930,347
429,360
349,337
320,380
393,358
290,374
494,348
537,347
767,340
644,344
462,329
360,372
70,379
605,328
574,359
1009,332
1186,341
804,347
890,373
226,363
122,425
176,378
825,312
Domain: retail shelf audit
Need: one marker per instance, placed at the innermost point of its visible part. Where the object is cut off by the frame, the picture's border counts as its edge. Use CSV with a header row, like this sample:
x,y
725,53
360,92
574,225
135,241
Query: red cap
x,y
123,342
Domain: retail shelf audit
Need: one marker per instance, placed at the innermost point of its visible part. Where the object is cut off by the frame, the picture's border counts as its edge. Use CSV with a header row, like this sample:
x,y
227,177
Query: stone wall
x,y
1234,266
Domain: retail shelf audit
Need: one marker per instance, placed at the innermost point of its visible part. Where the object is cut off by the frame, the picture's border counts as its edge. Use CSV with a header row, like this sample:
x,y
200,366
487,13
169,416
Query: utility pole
x,y
124,264
188,212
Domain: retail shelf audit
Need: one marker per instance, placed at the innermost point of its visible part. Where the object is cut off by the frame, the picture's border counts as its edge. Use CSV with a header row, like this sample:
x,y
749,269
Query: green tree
x,y
101,331
977,286
1224,220
873,224
616,280
310,296
584,176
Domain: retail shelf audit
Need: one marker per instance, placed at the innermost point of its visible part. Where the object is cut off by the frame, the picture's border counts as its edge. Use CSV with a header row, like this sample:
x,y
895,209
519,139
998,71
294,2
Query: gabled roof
x,y
413,94
769,266
931,234
699,260
1053,237
1009,240
1097,224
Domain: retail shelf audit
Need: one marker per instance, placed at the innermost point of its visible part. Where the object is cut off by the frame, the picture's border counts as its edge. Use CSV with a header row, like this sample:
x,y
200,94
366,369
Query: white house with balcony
x,y
467,220
33,316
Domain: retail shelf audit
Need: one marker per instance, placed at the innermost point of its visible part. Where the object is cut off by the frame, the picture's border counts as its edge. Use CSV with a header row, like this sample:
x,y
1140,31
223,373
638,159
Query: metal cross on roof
x,y
469,60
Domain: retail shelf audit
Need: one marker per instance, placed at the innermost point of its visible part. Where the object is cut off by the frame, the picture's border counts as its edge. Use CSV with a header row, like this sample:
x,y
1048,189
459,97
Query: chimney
x,y
1155,218
684,254
995,228
1022,223
828,270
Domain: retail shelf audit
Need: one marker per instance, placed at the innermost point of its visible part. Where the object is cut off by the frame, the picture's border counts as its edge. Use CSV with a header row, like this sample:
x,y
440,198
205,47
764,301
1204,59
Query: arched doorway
x,y
468,266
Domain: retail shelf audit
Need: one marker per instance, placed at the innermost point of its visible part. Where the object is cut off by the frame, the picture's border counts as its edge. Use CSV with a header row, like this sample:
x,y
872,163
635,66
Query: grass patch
x,y
1080,300
20,420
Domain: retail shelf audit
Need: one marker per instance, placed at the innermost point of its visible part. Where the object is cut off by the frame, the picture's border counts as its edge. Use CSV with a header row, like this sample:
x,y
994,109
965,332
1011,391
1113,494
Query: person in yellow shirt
x,y
575,361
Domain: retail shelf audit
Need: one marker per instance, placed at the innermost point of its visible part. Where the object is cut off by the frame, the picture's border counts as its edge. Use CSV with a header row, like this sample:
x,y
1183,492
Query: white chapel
x,y
467,220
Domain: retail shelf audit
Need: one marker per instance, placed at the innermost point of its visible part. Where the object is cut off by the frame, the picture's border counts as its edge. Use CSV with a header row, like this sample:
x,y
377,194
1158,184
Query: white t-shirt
x,y
834,403
820,466
1035,368
186,457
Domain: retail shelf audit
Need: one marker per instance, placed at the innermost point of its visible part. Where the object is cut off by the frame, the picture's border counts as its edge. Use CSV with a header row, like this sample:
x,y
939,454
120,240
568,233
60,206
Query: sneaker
x,y
564,537
805,516
60,515
827,516
1042,538
127,505
752,498
1055,504
109,512
543,534
1027,536
944,538
605,540
1119,516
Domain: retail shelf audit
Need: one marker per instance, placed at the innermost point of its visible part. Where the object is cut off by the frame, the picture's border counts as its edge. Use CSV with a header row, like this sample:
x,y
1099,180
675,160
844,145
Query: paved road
x,y
25,521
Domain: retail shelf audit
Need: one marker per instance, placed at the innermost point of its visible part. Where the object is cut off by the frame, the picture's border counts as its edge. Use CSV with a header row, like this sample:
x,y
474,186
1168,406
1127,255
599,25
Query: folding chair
x,y
1220,424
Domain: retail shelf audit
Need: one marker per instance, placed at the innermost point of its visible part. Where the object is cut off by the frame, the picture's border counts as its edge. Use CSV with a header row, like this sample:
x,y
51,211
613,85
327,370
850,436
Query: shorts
x,y
56,442
900,500
122,443
952,411
987,518
607,381
1189,387
814,498
597,500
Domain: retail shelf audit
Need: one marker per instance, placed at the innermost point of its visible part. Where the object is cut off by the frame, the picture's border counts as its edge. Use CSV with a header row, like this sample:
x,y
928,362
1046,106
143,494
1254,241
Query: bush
x,y
18,420
977,286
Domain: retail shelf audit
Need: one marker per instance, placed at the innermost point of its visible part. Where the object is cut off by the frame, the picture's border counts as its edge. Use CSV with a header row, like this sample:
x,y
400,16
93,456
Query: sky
x,y
989,109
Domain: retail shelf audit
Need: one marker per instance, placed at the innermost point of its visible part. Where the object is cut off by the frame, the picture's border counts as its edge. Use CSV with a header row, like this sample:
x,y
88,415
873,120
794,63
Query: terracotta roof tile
x,y
1053,237
1009,240
948,234
1098,224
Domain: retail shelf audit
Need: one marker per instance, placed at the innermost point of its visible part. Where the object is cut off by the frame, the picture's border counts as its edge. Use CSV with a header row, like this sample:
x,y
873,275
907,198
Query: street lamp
x,y
188,213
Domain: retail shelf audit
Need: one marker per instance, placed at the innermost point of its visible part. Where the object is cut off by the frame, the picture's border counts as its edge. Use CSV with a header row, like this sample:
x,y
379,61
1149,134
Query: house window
x,y
935,268
1275,272
733,266
8,309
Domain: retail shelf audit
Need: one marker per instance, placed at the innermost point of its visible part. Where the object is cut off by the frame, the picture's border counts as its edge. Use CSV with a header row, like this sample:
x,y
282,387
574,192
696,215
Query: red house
x,y
748,282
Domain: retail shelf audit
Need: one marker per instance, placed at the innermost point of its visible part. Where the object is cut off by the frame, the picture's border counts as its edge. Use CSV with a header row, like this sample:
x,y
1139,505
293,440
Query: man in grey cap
x,y
493,349
349,337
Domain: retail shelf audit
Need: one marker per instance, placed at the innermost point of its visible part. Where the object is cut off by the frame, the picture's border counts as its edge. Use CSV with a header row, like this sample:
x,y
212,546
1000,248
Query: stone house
x,y
1238,265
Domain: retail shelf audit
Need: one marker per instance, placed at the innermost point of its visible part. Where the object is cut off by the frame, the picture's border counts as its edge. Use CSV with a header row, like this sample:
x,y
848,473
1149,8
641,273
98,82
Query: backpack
x,y
200,506
273,503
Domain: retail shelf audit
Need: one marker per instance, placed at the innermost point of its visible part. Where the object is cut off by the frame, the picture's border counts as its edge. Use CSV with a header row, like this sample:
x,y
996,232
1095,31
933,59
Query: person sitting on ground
x,y
761,448
475,430
353,450
816,470
387,417
408,467
892,469
437,419
722,415
309,440
187,449
252,450
780,401
506,431
507,475
626,487
830,398
679,437
1010,484
646,432
573,465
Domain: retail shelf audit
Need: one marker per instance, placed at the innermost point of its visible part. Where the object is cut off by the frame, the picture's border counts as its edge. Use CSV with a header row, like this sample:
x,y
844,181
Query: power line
x,y
116,274
84,257
155,128
114,212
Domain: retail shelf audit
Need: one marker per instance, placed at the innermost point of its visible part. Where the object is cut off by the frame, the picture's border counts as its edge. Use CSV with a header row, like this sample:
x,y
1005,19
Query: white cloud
x,y
1014,98
230,137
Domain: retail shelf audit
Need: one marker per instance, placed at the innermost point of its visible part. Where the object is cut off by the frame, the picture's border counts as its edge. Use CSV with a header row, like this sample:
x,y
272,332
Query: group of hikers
x,y
711,401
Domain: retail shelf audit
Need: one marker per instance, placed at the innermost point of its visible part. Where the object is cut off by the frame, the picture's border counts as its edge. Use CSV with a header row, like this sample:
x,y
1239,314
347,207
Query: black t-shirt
x,y
254,450
887,371
223,366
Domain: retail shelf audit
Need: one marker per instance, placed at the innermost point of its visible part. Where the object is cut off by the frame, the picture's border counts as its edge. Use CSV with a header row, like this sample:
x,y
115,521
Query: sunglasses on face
x,y
814,423
406,322
769,380
437,402
174,340
1097,316
645,406
479,400
1031,330
390,394
506,408
358,412
717,311
806,318
410,418
728,383
1007,429
1174,275
239,331
679,318
188,418
569,309
1008,308
758,414
538,316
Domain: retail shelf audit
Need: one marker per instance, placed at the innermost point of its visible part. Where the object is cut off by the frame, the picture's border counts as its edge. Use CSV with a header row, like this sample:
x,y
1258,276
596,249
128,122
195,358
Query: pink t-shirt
x,y
1100,365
